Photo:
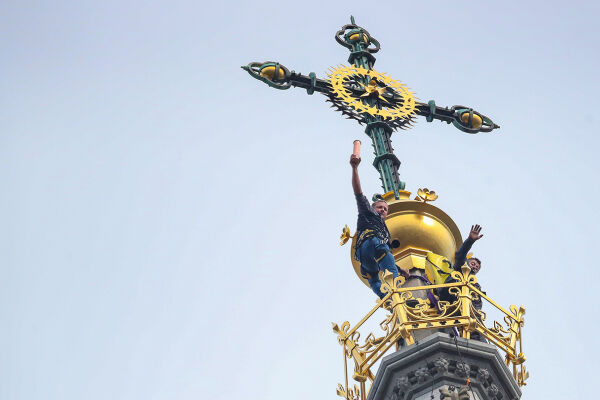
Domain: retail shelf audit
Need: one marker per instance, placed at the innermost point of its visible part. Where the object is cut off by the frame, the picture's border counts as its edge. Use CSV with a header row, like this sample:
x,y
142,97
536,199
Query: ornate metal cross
x,y
371,98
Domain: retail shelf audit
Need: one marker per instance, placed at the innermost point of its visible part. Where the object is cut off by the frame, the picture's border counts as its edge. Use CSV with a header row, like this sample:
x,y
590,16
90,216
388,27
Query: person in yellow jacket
x,y
473,263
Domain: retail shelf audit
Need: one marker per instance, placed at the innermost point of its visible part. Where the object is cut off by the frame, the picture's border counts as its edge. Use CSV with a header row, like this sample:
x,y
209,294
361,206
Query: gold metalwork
x,y
352,393
522,376
407,314
475,122
269,72
345,236
373,90
426,195
358,36
341,76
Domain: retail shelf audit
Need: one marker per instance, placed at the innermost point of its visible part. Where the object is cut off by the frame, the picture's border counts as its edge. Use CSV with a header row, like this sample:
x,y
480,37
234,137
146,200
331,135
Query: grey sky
x,y
170,225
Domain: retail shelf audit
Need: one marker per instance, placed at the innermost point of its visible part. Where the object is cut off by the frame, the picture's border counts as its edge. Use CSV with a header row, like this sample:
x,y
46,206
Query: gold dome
x,y
420,227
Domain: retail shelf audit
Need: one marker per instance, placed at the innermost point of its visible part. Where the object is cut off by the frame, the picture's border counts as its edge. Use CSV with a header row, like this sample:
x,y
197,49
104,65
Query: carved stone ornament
x,y
462,369
422,374
441,364
456,378
402,384
450,393
493,391
483,375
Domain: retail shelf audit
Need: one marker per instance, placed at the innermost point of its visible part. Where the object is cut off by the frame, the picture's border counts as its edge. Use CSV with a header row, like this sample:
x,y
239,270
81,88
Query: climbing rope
x,y
468,380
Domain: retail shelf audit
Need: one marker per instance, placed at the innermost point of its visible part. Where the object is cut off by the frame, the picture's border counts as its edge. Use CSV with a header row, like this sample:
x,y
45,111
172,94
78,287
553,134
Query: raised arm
x,y
460,257
354,161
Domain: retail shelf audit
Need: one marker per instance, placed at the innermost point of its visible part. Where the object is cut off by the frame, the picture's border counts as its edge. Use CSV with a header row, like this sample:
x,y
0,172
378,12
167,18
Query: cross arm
x,y
279,77
464,118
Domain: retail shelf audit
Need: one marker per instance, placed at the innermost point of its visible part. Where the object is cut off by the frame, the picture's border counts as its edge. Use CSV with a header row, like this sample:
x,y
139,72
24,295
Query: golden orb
x,y
268,71
475,122
358,36
420,228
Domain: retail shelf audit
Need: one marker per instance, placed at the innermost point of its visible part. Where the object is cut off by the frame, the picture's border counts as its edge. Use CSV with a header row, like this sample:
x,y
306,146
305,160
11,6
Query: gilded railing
x,y
407,314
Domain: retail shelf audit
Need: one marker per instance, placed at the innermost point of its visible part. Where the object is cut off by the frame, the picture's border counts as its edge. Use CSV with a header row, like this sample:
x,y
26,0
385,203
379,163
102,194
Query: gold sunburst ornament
x,y
395,100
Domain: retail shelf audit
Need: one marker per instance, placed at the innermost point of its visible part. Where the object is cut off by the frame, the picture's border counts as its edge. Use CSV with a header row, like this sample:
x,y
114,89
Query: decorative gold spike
x,y
522,376
340,391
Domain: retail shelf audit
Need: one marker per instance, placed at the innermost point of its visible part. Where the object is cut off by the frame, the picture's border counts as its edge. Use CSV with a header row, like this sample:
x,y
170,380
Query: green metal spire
x,y
386,163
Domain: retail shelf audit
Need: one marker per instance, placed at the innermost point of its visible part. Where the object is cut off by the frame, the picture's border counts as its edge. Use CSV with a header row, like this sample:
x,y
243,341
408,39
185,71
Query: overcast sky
x,y
170,226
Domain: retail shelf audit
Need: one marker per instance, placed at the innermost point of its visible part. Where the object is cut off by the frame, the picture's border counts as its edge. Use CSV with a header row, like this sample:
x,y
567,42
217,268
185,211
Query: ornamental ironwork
x,y
406,314
372,98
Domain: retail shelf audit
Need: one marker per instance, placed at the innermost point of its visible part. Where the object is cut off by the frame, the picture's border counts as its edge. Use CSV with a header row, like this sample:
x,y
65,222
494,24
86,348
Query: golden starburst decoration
x,y
342,77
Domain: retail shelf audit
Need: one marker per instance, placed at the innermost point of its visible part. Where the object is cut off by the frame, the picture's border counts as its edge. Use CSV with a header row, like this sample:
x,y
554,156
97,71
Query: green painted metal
x,y
386,163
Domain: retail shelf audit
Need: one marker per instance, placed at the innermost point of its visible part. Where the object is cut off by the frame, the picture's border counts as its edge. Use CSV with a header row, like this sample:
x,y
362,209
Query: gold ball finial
x,y
476,121
355,37
268,71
